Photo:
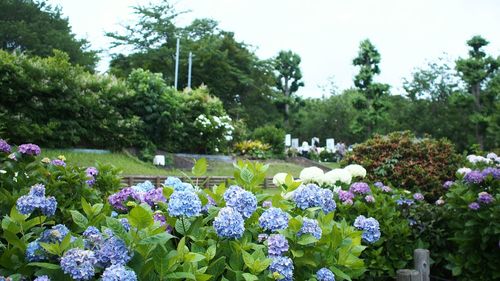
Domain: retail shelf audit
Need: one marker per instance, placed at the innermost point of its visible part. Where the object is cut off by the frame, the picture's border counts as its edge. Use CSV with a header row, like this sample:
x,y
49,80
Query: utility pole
x,y
177,63
189,69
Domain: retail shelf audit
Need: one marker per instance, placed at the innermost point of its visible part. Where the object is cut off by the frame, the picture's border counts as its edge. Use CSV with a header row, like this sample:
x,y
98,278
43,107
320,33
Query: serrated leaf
x,y
193,257
200,167
307,239
87,209
79,219
246,175
140,217
211,251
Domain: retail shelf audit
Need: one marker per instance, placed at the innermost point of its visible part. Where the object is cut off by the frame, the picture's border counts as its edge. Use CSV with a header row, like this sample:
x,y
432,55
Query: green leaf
x,y
307,239
211,251
246,175
200,167
193,257
65,242
248,259
87,209
250,277
340,273
45,265
117,228
157,239
140,217
97,208
79,219
180,275
14,240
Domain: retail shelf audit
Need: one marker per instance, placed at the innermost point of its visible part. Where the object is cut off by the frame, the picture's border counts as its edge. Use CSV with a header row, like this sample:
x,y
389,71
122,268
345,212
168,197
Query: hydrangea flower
x,y
448,184
241,200
327,203
4,146
359,188
159,217
310,226
42,278
485,198
154,196
474,177
144,186
378,184
262,237
210,203
474,206
92,171
325,274
36,199
356,170
229,223
177,184
277,245
335,175
267,204
493,172
113,251
418,196
35,252
58,162
79,264
273,219
311,174
474,159
370,227
439,202
29,149
56,234
184,203
118,273
93,237
463,171
403,201
369,198
283,266
492,156
125,223
118,199
307,196
345,195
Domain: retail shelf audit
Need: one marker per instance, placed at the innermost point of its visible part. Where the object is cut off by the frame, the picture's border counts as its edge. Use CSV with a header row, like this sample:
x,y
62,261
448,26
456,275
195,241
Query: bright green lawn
x,y
331,165
132,166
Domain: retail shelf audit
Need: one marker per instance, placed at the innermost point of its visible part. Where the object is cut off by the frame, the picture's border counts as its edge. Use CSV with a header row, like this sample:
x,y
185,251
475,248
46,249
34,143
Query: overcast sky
x,y
325,33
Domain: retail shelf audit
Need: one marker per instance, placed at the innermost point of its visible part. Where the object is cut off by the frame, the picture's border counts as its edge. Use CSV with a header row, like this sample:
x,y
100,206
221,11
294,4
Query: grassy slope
x,y
133,166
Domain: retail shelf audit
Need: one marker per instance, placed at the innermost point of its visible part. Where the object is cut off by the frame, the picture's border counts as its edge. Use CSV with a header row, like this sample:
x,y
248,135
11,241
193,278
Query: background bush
x,y
273,136
409,162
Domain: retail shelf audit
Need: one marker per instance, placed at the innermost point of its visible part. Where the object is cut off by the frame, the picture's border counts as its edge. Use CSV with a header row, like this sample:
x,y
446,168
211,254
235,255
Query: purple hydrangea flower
x,y
79,264
485,198
159,217
58,162
359,188
386,188
118,200
241,200
348,202
474,177
184,203
378,184
277,245
267,204
310,226
29,149
418,196
92,171
474,206
448,184
229,223
494,172
154,196
118,273
369,198
325,274
283,266
274,219
4,146
345,195
42,278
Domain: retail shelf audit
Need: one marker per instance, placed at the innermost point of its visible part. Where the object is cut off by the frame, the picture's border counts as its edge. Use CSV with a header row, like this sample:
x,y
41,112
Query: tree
x,y
288,76
475,71
37,28
371,105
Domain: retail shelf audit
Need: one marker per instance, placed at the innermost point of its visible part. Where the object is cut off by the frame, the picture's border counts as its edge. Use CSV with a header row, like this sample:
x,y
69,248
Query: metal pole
x,y
177,63
189,69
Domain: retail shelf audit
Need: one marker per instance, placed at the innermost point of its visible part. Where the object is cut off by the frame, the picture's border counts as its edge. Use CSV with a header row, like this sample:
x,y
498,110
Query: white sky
x,y
325,33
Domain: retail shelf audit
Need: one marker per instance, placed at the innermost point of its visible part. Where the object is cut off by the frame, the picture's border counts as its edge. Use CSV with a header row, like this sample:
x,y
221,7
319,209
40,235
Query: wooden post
x,y
130,181
408,275
421,263
158,181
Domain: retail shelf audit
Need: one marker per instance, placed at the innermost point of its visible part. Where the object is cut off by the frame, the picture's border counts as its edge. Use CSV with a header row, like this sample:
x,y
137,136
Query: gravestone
x,y
295,143
288,140
159,160
330,145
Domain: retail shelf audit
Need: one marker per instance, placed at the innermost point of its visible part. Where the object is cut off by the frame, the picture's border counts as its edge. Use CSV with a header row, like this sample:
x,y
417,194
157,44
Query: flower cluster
x,y
229,223
482,198
4,146
91,172
418,196
58,162
29,149
370,227
311,175
359,188
282,265
337,175
178,185
325,274
184,203
241,200
36,199
277,245
274,219
474,177
35,252
311,195
448,184
118,200
79,264
346,197
356,170
310,226
474,159
118,272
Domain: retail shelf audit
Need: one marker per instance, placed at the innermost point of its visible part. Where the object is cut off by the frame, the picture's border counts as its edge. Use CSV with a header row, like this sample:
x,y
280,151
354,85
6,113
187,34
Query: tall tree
x,y
371,105
475,71
288,77
38,28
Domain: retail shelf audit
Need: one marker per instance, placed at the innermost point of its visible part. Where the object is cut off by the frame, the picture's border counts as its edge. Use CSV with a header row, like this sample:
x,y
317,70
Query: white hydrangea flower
x,y
463,171
335,175
312,174
356,170
475,159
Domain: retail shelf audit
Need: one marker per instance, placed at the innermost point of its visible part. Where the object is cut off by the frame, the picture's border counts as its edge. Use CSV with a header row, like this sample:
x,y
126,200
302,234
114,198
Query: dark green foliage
x,y
273,136
37,28
406,161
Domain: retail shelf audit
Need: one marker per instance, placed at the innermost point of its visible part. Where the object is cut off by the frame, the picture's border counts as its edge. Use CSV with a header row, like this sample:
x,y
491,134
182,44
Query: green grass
x,y
131,165
331,165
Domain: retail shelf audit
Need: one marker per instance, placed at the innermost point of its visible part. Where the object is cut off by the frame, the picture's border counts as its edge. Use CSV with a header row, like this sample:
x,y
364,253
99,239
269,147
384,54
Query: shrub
x,y
406,161
253,149
273,136
327,156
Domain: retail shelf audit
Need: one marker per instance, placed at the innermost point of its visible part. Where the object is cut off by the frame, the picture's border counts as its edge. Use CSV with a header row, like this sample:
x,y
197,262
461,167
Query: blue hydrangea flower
x,y
144,186
241,200
79,264
37,190
113,251
307,196
403,201
42,278
118,273
310,226
36,199
327,203
274,219
184,203
277,245
267,204
474,177
178,185
49,207
283,266
55,235
370,227
378,184
125,224
35,252
325,274
93,237
229,223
